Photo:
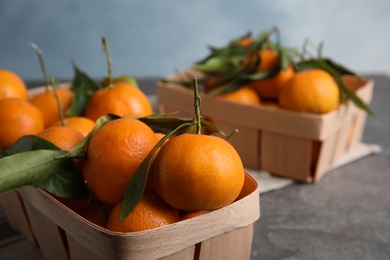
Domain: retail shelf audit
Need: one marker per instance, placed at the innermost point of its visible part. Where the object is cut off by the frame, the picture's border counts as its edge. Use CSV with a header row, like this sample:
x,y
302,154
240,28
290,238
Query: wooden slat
x,y
286,156
46,233
17,218
225,245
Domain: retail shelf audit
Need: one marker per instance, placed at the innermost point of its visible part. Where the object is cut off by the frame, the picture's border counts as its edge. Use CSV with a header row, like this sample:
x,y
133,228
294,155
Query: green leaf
x,y
27,168
260,41
352,96
166,125
212,64
284,56
212,127
83,87
81,96
306,65
29,143
325,64
261,75
228,88
340,68
80,78
65,182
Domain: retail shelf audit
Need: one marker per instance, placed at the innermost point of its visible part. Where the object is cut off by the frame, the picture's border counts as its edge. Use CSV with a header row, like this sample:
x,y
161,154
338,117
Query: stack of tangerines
x,y
262,71
189,174
41,114
57,114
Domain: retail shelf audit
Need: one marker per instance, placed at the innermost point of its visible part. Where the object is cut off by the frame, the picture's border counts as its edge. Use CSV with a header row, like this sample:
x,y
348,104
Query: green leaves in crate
x,y
228,68
28,168
29,143
35,161
83,87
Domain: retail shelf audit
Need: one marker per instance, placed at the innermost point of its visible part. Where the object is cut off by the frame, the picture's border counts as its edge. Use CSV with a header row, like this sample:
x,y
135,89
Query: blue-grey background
x,y
158,37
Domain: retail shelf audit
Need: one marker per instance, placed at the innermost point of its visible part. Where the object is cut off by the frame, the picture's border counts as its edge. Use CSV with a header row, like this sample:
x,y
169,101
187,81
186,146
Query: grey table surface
x,y
344,216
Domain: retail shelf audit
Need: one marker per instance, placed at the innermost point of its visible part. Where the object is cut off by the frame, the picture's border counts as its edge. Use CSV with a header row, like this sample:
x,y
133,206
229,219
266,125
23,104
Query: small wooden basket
x,y
226,233
299,146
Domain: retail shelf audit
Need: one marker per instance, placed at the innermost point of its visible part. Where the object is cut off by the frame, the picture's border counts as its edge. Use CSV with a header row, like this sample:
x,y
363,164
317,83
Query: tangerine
x,y
18,118
95,214
313,91
270,87
244,42
47,103
195,172
151,212
269,59
63,137
114,153
121,99
76,205
243,95
11,85
193,214
81,124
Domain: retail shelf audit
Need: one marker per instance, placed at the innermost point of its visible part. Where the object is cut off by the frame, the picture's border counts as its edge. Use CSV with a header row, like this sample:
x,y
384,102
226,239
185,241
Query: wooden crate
x,y
300,146
61,234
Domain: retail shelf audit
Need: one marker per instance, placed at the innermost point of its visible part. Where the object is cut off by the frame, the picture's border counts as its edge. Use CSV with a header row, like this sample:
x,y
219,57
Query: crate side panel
x,y
358,128
358,115
172,100
326,157
235,244
185,254
16,215
47,234
342,139
261,117
286,156
352,130
79,252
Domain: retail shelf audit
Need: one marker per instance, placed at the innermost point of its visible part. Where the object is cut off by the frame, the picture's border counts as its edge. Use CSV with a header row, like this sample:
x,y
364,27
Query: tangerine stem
x,y
54,85
109,62
198,113
42,63
235,131
320,48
